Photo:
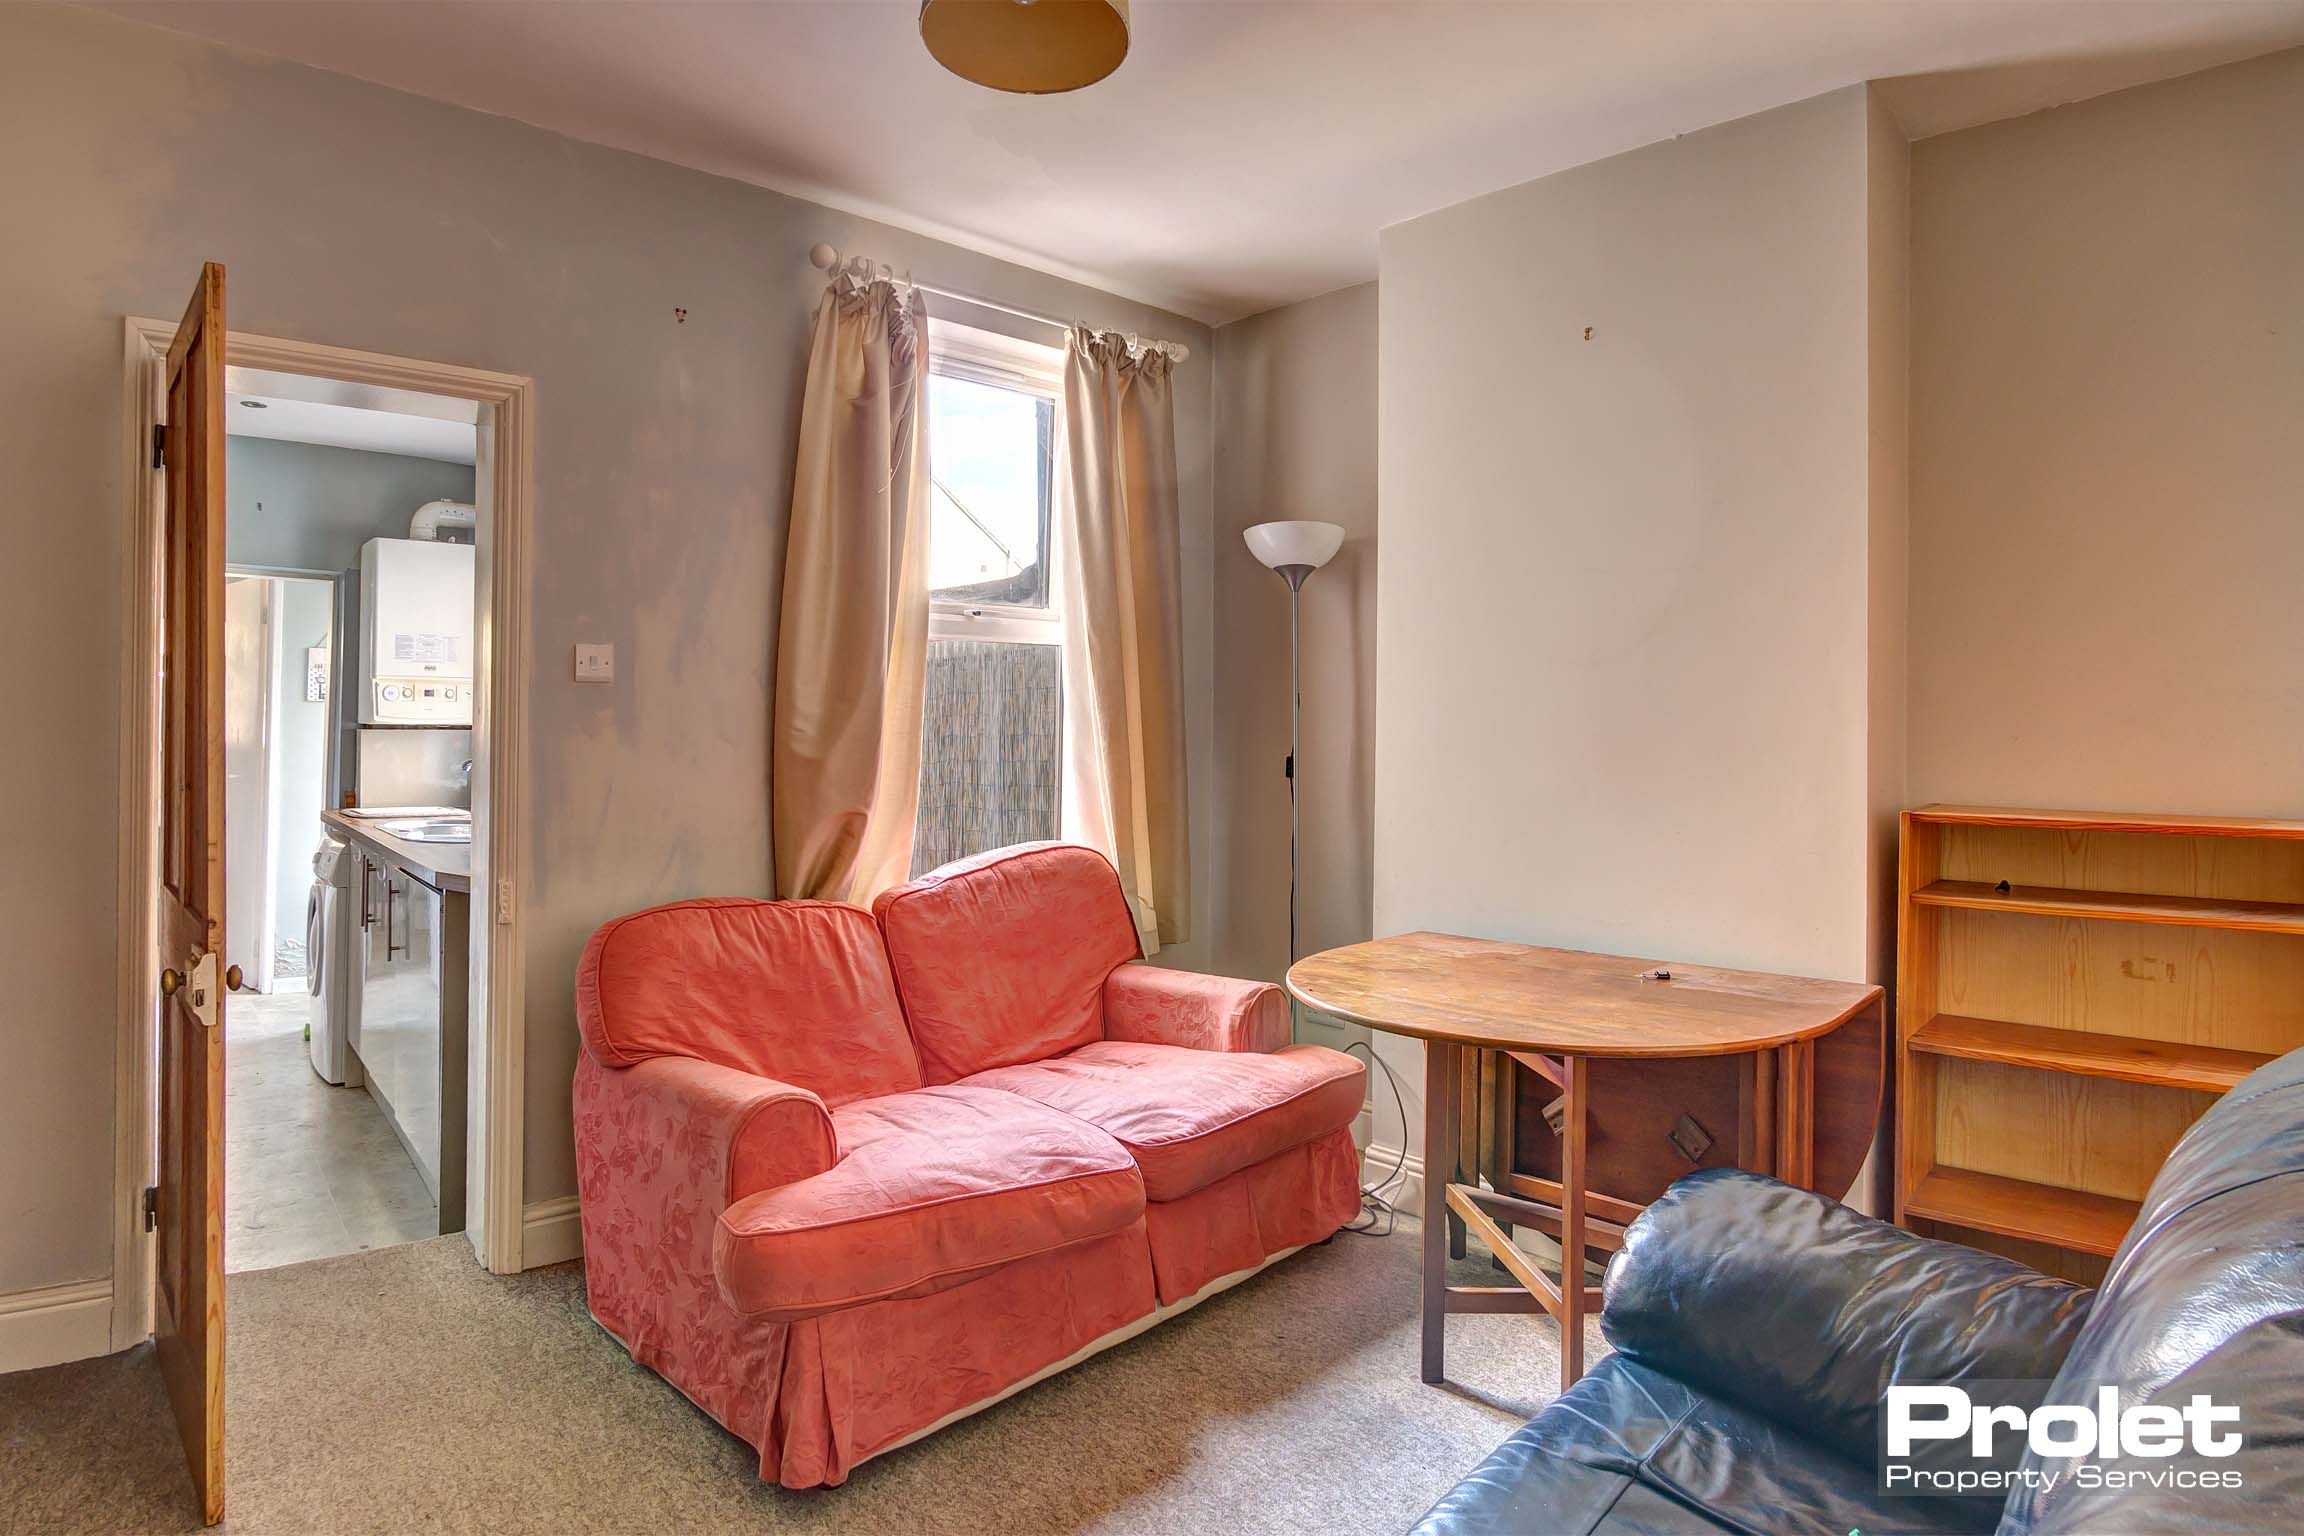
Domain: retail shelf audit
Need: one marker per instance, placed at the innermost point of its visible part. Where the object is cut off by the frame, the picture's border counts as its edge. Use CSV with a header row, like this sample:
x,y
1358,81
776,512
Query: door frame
x,y
277,667
260,952
501,861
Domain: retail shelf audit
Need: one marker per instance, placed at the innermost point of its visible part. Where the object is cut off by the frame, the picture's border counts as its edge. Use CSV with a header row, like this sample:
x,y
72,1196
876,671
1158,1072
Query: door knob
x,y
232,979
170,980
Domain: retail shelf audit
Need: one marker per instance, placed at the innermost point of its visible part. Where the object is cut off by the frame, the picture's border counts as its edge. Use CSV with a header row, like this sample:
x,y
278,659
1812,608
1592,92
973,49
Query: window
x,y
988,536
991,755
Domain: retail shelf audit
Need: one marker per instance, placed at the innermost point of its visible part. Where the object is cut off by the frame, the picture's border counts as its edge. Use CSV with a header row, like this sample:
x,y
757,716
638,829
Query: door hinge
x,y
151,1207
159,445
504,899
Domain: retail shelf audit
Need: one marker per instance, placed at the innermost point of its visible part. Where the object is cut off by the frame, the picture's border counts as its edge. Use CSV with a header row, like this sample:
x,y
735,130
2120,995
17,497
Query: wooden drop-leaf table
x,y
1555,1012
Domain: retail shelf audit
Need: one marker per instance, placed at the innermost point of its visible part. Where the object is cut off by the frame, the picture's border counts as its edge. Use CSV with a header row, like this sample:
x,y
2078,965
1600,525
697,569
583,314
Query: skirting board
x,y
54,1324
550,1232
1379,1163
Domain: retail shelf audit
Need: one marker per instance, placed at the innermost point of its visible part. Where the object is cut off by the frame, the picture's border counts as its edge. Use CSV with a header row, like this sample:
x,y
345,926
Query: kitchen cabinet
x,y
409,1026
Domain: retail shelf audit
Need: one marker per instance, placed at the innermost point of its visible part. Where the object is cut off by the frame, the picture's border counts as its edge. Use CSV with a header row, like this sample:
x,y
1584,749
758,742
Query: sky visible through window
x,y
984,450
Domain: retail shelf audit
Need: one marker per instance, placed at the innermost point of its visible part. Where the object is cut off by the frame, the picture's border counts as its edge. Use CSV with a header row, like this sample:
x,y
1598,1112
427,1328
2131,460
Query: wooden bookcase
x,y
2074,989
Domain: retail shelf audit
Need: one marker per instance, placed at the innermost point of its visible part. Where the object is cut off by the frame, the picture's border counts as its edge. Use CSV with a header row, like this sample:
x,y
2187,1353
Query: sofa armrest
x,y
663,1147
1158,1006
1804,1311
721,1130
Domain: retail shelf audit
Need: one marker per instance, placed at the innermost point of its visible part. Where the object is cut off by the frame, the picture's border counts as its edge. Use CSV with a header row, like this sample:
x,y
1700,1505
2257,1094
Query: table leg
x,y
1756,1088
1465,1161
1576,1081
1440,1065
1796,1113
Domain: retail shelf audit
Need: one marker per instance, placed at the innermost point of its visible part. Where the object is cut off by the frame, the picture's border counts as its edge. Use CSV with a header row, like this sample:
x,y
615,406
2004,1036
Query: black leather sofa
x,y
1755,1326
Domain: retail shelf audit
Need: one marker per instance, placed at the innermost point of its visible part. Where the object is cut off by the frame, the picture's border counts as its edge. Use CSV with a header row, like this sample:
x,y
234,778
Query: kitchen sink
x,y
428,830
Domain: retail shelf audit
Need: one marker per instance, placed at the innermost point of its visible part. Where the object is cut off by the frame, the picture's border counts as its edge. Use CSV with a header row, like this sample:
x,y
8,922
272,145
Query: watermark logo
x,y
1970,1439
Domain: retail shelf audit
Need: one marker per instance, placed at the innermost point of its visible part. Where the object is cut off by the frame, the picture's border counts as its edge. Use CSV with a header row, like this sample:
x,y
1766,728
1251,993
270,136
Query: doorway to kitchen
x,y
372,746
311,1161
349,621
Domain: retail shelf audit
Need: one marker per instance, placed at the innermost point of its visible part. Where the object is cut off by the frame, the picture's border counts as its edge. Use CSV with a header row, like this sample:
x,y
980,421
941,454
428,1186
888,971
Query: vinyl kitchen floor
x,y
310,1171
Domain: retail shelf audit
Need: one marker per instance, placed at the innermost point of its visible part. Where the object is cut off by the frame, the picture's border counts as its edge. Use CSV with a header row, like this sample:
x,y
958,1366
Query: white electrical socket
x,y
595,663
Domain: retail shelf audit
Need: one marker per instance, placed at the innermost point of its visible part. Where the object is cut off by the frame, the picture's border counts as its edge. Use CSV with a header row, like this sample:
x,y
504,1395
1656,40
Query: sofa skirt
x,y
857,1381
1291,1198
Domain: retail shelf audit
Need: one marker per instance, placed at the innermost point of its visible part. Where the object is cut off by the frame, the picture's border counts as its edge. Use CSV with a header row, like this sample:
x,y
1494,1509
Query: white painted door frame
x,y
278,670
500,861
258,950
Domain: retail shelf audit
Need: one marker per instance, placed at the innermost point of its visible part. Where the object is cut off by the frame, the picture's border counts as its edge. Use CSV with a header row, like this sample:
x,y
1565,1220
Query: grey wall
x,y
2107,461
1296,438
300,506
358,216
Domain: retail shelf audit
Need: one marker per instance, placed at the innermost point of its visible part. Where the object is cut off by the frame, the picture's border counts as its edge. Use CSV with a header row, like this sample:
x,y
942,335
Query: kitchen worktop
x,y
443,866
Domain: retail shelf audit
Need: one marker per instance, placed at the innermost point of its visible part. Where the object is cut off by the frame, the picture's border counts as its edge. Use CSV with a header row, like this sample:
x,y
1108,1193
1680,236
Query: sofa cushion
x,y
2205,1296
794,990
1630,1451
932,1187
1002,958
1191,1117
1703,1289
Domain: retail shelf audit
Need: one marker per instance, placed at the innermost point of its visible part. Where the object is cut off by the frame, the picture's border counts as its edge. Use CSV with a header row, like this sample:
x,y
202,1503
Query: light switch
x,y
595,663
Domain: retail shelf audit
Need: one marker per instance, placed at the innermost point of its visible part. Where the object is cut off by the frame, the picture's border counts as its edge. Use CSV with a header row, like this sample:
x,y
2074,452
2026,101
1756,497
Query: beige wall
x,y
359,216
2108,451
1296,438
1627,676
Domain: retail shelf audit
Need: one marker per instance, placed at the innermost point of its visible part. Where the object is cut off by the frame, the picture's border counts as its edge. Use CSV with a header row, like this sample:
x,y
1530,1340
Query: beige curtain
x,y
1124,652
852,634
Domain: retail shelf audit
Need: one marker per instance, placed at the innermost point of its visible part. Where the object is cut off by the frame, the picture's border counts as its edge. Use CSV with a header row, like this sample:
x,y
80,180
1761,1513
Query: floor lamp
x,y
1295,550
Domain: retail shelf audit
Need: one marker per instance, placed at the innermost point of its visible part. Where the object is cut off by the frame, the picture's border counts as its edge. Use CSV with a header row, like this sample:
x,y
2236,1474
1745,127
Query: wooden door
x,y
188,1294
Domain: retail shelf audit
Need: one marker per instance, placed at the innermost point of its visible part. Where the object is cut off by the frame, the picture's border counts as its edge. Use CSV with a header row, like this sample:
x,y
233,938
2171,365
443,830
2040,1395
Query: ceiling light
x,y
255,405
1033,47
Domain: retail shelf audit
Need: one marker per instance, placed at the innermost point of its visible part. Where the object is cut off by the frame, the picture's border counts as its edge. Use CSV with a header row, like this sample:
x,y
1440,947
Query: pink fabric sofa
x,y
849,1175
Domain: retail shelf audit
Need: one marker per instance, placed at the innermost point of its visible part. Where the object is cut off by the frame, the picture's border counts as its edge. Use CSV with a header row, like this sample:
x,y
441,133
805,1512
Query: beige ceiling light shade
x,y
1032,47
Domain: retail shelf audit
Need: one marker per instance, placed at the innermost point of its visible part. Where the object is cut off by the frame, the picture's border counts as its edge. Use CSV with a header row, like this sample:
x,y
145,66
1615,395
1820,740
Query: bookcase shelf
x,y
2162,1063
2184,911
2074,989
1987,1202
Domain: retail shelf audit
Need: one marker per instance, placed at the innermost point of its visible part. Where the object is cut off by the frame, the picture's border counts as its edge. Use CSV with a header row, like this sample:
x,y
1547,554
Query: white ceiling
x,y
1248,151
345,426
333,413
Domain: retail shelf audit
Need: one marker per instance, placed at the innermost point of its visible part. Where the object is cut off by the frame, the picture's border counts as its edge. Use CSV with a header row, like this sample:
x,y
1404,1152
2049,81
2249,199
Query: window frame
x,y
1003,362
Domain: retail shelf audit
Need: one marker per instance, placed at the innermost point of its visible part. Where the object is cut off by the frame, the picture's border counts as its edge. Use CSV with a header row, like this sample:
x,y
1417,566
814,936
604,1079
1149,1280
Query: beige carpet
x,y
405,1390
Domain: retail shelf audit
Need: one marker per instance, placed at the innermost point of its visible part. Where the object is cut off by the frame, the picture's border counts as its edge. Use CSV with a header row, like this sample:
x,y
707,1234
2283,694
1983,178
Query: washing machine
x,y
332,948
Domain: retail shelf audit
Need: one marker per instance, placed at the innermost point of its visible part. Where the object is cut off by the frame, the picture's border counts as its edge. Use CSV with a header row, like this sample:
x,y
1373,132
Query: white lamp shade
x,y
1294,543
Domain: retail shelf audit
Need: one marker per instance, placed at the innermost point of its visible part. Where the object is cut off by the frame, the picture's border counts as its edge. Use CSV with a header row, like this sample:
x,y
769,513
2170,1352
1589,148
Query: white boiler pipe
x,y
431,517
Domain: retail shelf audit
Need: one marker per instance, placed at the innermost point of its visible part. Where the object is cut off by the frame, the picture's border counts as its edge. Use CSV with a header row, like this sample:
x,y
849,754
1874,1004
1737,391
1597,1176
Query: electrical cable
x,y
1374,1207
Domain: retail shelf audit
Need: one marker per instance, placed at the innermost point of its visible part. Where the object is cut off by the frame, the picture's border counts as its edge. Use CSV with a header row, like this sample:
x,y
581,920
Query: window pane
x,y
990,749
989,450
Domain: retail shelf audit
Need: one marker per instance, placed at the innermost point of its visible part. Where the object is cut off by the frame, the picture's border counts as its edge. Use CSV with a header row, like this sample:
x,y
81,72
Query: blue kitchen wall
x,y
297,506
